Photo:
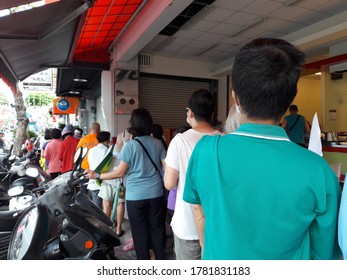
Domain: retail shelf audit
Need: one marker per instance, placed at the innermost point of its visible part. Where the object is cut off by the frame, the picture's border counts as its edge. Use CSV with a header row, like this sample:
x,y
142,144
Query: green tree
x,y
38,99
3,99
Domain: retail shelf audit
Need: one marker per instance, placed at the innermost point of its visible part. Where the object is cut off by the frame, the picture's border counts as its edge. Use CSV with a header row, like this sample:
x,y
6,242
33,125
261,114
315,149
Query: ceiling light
x,y
74,92
248,26
80,79
205,50
318,73
199,15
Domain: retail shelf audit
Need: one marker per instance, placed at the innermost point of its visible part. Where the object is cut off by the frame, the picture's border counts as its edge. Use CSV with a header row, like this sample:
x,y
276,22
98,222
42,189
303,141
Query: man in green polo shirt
x,y
263,196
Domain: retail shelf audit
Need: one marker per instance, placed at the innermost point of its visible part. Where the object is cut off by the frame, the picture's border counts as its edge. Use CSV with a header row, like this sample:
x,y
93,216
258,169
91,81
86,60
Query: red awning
x,y
103,23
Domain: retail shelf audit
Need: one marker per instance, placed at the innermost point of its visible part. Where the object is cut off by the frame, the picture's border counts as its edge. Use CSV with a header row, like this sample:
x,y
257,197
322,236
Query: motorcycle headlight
x,y
29,234
23,234
14,191
32,172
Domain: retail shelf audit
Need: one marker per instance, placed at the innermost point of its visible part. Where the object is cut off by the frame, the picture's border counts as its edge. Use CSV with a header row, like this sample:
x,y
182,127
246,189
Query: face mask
x,y
237,108
187,120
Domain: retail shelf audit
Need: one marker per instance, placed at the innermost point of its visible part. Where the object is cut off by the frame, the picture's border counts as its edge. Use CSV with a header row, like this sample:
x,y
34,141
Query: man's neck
x,y
202,127
255,121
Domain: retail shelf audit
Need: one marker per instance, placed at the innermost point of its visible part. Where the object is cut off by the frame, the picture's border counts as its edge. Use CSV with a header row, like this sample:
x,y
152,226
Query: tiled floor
x,y
130,255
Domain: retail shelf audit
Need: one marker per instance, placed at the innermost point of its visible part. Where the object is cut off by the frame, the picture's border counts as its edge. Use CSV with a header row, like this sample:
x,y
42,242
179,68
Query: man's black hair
x,y
103,136
264,77
201,102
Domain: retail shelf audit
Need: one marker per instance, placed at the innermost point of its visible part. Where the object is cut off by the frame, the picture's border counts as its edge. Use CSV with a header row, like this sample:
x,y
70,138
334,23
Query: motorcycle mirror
x,y
17,190
77,155
32,172
12,158
84,152
80,153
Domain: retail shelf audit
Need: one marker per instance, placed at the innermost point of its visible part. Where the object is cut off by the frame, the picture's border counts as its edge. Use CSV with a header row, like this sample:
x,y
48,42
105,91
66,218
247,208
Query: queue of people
x,y
232,192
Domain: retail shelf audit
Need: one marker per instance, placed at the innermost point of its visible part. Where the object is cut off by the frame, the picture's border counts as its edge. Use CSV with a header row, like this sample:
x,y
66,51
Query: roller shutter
x,y
166,97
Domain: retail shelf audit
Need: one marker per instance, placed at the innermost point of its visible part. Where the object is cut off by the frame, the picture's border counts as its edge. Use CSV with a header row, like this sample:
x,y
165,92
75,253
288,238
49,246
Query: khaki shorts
x,y
108,192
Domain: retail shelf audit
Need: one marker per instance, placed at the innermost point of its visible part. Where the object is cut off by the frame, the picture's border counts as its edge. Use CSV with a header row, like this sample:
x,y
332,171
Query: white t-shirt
x,y
95,156
178,154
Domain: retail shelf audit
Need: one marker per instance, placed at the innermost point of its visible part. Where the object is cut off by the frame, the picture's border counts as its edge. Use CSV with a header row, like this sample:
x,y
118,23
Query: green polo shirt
x,y
264,197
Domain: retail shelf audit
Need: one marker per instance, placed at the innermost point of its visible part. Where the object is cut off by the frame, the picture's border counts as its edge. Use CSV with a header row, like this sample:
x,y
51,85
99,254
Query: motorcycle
x,y
6,160
14,174
63,223
8,220
19,196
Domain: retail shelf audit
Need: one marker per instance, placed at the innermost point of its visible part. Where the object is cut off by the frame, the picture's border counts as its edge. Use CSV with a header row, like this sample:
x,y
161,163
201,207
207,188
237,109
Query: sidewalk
x,y
131,255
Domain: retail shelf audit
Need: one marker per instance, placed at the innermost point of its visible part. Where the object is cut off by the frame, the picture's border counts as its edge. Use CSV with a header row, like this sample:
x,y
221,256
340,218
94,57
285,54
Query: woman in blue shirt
x,y
144,193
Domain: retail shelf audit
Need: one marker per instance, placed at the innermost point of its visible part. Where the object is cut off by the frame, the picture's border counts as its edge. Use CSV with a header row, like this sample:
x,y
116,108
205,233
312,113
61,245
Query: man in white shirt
x,y
186,233
95,156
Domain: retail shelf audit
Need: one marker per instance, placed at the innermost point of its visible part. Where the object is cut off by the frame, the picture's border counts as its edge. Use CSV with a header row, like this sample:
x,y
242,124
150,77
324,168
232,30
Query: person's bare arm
x,y
199,218
163,164
120,171
170,178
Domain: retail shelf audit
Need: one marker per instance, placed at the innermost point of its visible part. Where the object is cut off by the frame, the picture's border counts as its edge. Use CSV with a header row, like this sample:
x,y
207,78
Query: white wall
x,y
120,122
107,100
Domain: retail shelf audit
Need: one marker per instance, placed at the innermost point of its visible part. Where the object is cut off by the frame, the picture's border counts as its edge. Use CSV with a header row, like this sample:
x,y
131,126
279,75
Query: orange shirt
x,y
88,141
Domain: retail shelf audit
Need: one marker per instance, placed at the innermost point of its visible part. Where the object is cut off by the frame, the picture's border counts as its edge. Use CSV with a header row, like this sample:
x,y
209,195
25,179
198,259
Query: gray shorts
x,y
187,249
108,192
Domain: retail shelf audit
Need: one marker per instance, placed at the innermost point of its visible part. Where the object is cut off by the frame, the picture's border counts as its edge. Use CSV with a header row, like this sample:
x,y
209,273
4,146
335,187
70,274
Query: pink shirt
x,y
51,154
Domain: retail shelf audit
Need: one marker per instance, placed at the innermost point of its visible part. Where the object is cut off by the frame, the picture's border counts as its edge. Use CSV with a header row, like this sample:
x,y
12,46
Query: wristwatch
x,y
97,176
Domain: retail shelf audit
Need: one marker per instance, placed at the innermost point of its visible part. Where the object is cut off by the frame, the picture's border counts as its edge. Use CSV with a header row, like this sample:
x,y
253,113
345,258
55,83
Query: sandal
x,y
120,234
128,247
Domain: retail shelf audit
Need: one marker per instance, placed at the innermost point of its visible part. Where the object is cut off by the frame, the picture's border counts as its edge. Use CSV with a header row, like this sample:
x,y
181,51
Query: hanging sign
x,y
65,105
41,81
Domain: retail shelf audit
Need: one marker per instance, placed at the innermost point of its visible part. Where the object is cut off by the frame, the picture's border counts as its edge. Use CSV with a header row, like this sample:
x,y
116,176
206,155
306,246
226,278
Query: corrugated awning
x,y
102,25
39,38
65,34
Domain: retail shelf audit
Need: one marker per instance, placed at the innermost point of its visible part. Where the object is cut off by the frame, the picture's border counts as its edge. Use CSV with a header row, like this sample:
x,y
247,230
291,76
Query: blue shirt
x,y
264,197
143,181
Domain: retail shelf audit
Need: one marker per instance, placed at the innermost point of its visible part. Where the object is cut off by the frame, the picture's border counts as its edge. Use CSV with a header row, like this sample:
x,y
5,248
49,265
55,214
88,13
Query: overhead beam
x,y
145,26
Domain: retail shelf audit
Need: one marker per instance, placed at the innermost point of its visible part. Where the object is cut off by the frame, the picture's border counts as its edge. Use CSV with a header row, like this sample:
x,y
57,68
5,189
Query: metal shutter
x,y
166,97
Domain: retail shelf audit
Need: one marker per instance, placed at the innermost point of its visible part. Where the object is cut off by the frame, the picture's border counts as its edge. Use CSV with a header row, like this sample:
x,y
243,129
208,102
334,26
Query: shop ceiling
x,y
76,36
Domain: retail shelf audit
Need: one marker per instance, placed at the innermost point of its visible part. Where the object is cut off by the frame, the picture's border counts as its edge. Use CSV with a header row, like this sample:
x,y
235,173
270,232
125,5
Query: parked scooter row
x,y
63,223
14,174
17,191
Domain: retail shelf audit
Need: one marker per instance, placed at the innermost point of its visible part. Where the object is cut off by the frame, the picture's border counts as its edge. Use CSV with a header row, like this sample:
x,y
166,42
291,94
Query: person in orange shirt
x,y
88,141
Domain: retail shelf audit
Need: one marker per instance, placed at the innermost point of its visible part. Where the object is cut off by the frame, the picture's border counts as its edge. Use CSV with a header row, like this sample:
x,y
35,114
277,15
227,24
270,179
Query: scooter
x,y
20,195
6,160
8,220
16,176
63,223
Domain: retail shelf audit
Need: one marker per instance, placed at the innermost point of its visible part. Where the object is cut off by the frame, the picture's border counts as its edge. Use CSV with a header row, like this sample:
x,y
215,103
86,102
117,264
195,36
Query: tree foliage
x,y
3,98
38,99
